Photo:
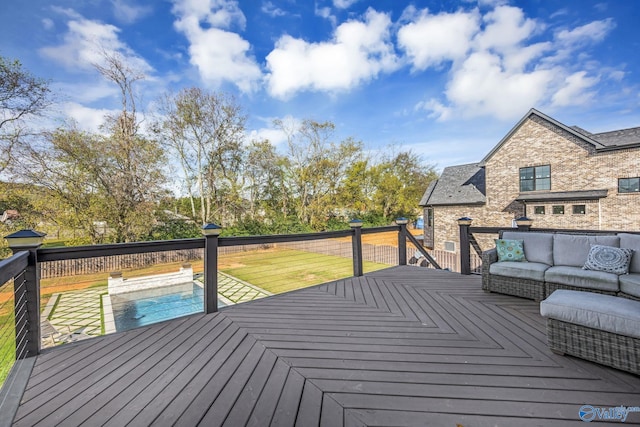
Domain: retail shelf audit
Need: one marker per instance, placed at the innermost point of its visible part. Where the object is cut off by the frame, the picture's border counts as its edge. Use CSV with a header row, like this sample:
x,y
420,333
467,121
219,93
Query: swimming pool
x,y
140,308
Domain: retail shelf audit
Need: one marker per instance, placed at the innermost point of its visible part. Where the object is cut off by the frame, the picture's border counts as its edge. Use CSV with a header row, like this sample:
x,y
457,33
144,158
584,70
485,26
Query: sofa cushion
x,y
632,241
609,259
630,284
576,276
521,270
538,247
572,249
510,250
603,312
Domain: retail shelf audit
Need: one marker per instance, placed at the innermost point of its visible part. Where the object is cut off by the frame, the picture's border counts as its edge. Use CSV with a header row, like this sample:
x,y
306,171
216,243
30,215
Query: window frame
x,y
633,178
541,207
535,181
573,209
553,209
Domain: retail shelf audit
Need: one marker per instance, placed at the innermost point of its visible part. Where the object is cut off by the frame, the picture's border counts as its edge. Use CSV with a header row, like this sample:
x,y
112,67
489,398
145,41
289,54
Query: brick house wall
x,y
575,165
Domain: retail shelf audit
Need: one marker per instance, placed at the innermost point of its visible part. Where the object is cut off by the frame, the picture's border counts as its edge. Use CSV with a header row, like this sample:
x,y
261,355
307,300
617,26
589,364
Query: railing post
x,y
356,243
27,297
465,254
524,223
402,240
211,233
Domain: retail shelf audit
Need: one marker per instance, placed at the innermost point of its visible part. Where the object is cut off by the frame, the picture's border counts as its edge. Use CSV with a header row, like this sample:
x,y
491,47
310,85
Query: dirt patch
x,y
389,238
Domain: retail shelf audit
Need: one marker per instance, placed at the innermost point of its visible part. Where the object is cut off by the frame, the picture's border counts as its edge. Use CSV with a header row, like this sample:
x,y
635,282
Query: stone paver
x,y
237,290
80,310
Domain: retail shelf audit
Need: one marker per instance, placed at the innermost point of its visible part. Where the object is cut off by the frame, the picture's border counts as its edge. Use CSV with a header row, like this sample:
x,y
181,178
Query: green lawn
x,y
7,345
282,270
274,270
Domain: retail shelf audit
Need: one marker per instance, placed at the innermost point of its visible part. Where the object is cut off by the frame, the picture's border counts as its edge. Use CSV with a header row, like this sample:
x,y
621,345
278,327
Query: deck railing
x,y
13,311
21,315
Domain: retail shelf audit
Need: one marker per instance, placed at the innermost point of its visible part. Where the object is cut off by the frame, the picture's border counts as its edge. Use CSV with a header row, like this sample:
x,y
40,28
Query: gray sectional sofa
x,y
555,261
594,315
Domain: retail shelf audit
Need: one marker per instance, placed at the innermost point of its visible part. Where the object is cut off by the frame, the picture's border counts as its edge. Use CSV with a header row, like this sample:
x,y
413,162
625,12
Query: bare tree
x,y
21,96
114,177
206,131
316,167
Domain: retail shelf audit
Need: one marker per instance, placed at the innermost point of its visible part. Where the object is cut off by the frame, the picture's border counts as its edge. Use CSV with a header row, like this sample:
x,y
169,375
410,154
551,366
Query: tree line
x,y
113,185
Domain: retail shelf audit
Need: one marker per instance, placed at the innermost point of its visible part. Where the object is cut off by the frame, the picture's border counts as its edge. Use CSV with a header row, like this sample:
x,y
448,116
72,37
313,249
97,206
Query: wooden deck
x,y
404,346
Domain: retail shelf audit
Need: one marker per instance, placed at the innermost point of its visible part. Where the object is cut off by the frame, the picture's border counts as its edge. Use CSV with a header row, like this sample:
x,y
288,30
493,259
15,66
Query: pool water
x,y
140,308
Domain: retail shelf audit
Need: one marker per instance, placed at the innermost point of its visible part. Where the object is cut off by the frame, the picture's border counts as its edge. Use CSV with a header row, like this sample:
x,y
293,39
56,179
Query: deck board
x,y
402,346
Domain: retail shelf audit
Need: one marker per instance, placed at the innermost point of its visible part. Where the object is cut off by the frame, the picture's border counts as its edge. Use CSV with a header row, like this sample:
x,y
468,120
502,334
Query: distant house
x,y
9,215
559,176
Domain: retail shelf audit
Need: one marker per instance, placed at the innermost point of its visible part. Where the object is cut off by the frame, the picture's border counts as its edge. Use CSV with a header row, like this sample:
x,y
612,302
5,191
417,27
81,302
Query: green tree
x,y
315,169
400,180
264,179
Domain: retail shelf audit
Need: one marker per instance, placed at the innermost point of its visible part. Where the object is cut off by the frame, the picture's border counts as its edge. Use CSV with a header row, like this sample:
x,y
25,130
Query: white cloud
x,y
519,59
218,54
48,24
88,119
594,31
492,3
433,39
617,75
344,4
277,136
88,92
436,109
495,68
481,86
575,90
128,13
506,27
325,12
86,40
216,13
359,51
270,9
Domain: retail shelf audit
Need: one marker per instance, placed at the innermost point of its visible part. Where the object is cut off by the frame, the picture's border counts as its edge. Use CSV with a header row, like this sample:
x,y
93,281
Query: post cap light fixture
x,y
355,223
523,221
211,230
25,239
465,220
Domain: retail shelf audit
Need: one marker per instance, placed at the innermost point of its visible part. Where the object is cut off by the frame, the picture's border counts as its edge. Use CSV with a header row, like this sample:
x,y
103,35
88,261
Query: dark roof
x,y
458,185
562,196
427,194
622,138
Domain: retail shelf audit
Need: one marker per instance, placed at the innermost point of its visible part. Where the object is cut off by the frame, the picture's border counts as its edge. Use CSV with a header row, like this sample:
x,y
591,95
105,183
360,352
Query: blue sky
x,y
447,79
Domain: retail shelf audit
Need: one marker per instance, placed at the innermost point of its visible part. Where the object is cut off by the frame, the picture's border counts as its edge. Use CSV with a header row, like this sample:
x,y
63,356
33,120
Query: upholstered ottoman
x,y
596,327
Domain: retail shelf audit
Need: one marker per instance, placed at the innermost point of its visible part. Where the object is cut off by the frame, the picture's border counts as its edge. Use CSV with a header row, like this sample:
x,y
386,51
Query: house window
x,y
538,210
450,246
535,178
628,185
558,210
429,217
579,209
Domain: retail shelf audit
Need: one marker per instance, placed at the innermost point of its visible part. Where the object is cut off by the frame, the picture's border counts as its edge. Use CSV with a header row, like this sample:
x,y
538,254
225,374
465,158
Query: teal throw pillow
x,y
510,250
